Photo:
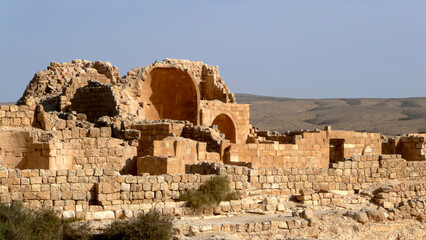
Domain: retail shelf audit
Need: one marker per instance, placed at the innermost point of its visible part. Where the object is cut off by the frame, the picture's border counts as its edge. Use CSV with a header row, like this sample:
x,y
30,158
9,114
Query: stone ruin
x,y
94,145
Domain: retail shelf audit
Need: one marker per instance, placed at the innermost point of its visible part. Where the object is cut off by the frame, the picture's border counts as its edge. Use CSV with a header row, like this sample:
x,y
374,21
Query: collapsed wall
x,y
55,87
171,89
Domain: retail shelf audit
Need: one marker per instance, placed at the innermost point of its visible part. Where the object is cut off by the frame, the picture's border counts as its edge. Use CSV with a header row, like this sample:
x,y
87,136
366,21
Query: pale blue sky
x,y
300,48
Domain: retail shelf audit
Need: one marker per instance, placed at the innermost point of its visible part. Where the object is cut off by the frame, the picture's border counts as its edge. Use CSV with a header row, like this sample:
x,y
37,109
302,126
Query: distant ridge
x,y
7,103
389,116
247,98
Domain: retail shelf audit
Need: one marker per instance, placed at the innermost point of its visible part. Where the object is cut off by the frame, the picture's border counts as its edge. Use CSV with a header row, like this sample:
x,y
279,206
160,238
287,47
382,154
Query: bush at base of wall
x,y
20,223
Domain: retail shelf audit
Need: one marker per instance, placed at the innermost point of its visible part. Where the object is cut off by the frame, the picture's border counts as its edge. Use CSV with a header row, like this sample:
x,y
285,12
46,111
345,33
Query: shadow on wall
x,y
95,102
18,150
337,150
226,126
170,93
130,167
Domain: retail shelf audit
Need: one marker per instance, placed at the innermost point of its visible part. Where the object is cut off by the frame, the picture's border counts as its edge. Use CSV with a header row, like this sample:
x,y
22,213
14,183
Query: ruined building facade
x,y
73,107
82,123
83,115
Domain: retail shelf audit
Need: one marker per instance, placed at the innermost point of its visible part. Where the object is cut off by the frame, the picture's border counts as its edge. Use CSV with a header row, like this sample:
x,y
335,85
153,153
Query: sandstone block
x,y
68,214
104,215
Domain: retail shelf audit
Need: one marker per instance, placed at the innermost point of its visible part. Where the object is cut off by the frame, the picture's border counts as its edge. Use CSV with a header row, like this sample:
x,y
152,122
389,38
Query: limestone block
x,y
79,195
4,190
25,181
14,108
114,143
102,215
105,132
68,214
43,195
29,195
94,133
149,195
280,207
60,124
26,121
132,134
4,173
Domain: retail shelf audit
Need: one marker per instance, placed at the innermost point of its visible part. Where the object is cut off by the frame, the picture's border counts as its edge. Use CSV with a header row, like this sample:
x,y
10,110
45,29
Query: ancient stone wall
x,y
179,153
94,151
172,89
311,149
94,102
105,193
151,132
55,87
211,84
48,86
238,118
356,143
262,136
412,148
393,194
155,131
95,146
25,148
67,144
170,93
16,116
157,165
211,136
15,148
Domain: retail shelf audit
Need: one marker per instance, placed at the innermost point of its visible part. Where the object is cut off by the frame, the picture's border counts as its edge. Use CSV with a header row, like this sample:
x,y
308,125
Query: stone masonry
x,y
93,145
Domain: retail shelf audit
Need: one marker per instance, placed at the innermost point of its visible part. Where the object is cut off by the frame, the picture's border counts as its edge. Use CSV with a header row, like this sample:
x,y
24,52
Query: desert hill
x,y
389,116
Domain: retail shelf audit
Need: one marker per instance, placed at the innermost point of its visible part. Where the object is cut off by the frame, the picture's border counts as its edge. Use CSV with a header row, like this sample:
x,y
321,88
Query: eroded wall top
x,y
207,78
56,87
60,80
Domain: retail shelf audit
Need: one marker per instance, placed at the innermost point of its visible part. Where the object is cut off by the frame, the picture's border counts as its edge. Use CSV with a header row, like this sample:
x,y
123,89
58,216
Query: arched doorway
x,y
226,126
170,93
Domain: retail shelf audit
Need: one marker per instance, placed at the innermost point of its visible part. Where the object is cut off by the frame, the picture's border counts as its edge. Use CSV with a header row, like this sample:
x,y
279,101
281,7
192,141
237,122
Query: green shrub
x,y
14,221
210,194
18,222
77,231
151,225
46,225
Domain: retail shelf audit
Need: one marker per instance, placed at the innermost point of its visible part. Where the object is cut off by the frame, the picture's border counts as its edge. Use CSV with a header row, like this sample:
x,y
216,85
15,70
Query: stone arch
x,y
226,126
170,93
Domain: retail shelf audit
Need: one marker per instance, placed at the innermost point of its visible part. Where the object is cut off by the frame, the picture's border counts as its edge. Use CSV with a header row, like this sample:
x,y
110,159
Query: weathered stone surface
x,y
113,147
377,215
358,216
307,214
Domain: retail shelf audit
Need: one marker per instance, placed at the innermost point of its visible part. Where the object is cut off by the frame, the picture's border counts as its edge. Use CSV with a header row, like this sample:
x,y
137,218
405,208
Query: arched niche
x,y
170,93
226,126
94,101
